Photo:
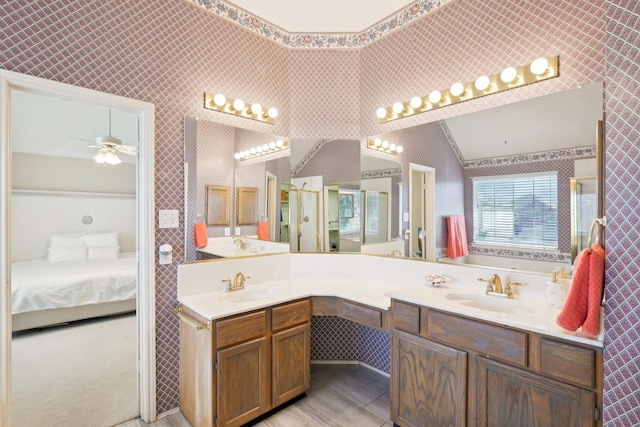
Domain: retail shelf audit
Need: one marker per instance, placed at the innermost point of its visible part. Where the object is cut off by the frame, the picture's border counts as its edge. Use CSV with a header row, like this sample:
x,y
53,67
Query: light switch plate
x,y
405,216
168,218
227,231
237,231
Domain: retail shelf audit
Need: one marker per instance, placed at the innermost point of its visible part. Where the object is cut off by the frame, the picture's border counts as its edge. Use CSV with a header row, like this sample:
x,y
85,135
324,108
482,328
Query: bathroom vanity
x,y
458,357
234,369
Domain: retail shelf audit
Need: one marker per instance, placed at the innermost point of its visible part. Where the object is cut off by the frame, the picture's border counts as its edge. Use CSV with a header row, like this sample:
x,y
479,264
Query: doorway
x,y
422,212
10,84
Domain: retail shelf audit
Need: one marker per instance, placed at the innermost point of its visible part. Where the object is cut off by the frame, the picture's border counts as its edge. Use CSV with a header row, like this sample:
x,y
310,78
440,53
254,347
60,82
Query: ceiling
x,y
552,122
322,16
57,127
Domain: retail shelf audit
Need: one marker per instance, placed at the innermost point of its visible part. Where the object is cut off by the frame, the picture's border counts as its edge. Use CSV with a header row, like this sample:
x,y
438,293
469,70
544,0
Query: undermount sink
x,y
491,303
246,295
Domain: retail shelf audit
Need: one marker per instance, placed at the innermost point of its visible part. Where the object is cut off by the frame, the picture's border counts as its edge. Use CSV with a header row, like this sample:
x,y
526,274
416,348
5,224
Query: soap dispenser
x,y
556,292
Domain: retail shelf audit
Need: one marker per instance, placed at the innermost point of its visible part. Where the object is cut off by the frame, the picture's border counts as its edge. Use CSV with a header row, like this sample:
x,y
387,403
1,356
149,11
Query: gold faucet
x,y
494,284
238,282
242,244
395,252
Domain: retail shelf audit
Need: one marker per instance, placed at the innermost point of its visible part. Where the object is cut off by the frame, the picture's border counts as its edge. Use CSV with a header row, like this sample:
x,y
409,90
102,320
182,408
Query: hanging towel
x,y
457,244
574,311
200,234
263,230
591,324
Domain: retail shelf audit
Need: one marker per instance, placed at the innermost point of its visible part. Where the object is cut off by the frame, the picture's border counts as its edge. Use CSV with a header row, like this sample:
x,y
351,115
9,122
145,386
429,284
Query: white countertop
x,y
224,248
537,318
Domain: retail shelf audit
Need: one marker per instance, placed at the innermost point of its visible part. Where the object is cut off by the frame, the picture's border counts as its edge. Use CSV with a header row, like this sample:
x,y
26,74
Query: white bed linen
x,y
40,285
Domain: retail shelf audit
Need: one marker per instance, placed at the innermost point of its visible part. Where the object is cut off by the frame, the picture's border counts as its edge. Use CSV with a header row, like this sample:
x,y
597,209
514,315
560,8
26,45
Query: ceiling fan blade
x,y
81,139
126,149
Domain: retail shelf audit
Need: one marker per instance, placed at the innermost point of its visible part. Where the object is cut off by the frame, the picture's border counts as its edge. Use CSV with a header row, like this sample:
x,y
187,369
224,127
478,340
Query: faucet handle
x,y
489,284
228,283
508,290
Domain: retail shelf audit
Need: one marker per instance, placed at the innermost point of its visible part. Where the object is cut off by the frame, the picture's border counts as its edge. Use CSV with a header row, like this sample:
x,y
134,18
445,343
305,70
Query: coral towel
x,y
457,244
200,234
582,307
263,230
591,325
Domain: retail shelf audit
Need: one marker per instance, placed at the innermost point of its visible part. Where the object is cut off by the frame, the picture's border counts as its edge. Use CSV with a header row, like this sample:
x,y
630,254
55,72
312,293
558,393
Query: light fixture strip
x,y
248,110
524,76
253,152
385,148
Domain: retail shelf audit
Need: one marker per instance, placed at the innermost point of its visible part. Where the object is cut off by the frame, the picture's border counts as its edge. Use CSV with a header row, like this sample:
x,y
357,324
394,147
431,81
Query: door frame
x,y
271,203
146,333
429,199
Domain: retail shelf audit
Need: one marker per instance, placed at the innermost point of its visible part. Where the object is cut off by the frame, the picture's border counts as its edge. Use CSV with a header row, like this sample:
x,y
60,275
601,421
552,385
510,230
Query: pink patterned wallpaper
x,y
169,52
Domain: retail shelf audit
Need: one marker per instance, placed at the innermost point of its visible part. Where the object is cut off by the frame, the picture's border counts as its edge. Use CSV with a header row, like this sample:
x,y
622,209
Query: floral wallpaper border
x,y
381,173
569,153
323,41
521,253
307,158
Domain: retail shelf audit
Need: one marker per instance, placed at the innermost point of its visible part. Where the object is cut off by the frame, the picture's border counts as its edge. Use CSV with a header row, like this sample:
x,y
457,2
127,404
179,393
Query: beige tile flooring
x,y
339,396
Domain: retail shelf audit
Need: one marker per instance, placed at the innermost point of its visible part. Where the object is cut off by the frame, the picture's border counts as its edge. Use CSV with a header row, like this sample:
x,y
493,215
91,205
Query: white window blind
x,y
516,210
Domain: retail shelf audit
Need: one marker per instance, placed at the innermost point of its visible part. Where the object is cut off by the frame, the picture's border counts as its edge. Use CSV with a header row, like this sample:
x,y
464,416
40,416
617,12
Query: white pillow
x,y
102,240
112,252
67,240
77,253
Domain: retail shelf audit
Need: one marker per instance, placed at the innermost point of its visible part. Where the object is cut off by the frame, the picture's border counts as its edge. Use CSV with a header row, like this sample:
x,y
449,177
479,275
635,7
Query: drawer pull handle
x,y
177,312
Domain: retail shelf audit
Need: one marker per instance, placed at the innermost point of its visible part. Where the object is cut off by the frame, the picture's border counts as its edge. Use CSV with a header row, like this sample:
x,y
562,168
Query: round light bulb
x,y
509,75
265,147
398,107
238,105
457,89
385,144
219,99
539,66
279,143
272,145
253,150
399,149
259,149
482,83
247,153
237,156
392,147
256,108
272,112
416,102
435,97
381,112
377,142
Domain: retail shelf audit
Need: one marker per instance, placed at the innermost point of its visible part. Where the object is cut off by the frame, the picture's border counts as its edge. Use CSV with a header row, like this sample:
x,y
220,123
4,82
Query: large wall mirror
x,y
554,135
256,201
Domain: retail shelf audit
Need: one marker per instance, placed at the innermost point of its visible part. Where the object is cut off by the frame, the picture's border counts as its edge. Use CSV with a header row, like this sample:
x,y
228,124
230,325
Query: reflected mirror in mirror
x,y
322,171
552,135
209,150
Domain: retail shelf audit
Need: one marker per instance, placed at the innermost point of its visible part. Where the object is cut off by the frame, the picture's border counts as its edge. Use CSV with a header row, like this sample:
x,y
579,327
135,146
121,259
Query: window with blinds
x,y
516,210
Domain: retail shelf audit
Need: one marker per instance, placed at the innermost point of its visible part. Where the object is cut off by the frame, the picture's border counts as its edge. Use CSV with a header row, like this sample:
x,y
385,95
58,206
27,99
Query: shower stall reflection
x,y
305,219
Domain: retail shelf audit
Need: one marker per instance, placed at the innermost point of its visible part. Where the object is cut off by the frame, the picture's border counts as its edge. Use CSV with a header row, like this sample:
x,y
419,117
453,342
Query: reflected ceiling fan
x,y
109,146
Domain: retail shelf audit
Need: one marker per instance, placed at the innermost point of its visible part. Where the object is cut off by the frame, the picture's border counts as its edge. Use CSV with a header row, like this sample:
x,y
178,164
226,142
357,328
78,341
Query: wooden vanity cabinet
x,y
453,370
245,365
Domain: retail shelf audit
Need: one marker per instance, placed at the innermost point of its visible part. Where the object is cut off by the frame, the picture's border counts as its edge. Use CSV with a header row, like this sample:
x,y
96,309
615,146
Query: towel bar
x,y
177,312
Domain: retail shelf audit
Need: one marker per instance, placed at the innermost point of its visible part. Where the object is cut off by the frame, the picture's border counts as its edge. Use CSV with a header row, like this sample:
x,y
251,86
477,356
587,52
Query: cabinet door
x,y
509,396
428,383
243,382
291,363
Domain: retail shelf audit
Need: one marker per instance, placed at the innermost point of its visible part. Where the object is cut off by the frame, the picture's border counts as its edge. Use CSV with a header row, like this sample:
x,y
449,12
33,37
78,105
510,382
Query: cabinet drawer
x,y
367,316
489,340
568,362
241,328
405,317
289,315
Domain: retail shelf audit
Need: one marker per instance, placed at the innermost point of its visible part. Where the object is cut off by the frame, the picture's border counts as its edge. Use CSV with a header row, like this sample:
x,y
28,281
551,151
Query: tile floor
x,y
339,396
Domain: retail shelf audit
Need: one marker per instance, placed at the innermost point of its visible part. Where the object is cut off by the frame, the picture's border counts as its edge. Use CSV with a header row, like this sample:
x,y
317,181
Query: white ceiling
x,y
57,127
558,121
322,16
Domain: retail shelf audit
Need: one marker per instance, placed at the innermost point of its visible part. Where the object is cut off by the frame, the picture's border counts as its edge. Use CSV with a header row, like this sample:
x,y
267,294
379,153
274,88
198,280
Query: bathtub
x,y
521,264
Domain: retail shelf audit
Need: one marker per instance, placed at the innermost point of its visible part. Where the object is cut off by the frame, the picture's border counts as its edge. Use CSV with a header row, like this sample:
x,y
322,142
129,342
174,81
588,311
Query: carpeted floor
x,y
79,375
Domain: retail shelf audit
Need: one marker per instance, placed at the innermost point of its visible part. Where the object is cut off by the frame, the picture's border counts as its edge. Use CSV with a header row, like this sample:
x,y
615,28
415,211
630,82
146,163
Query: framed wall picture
x,y
246,205
218,205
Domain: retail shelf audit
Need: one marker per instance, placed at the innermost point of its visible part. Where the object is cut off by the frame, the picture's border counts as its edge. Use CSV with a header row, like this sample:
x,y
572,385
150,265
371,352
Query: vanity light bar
x,y
262,150
509,78
238,107
384,146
